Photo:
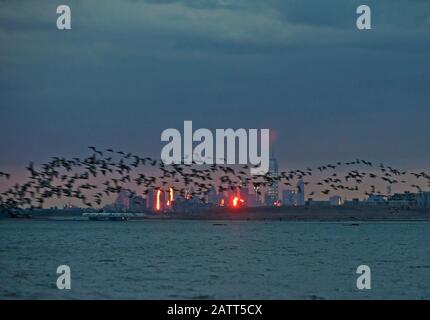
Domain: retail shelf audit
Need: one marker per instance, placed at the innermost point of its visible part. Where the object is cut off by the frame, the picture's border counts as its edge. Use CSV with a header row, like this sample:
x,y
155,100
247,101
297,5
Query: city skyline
x,y
61,179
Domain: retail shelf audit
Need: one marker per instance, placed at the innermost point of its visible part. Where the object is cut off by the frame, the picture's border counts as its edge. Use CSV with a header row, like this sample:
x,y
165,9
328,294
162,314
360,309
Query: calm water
x,y
197,259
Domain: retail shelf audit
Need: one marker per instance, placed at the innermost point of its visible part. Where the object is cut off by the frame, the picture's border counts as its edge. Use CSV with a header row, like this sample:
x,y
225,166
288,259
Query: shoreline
x,y
299,214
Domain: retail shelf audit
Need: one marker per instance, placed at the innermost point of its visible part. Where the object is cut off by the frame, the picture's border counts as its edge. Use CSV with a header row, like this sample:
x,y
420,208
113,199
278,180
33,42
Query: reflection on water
x,y
205,260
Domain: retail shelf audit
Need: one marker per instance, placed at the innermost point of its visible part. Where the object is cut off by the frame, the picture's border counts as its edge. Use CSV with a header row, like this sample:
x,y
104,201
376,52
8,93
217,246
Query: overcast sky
x,y
130,69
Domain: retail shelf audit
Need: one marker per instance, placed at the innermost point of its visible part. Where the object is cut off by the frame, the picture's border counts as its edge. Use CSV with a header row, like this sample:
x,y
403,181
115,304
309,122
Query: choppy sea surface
x,y
213,259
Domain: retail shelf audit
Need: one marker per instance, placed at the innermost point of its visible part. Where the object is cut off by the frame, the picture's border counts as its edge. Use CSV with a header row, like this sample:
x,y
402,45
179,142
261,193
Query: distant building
x,y
268,200
137,204
289,197
244,195
272,194
213,197
423,200
189,205
376,199
300,193
335,200
122,202
70,206
253,200
403,200
352,203
155,200
257,195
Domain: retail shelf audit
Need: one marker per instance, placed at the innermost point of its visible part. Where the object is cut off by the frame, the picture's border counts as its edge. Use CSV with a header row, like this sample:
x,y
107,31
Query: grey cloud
x,y
129,69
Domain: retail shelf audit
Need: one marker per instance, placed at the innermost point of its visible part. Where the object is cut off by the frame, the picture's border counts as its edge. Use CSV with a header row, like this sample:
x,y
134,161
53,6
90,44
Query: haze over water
x,y
202,259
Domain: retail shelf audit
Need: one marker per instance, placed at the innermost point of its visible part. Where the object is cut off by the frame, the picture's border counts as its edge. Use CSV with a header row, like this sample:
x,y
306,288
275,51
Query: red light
x,y
237,202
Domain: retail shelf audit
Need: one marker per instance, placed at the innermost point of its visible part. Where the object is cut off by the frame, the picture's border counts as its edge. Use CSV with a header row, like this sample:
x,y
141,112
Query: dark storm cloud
x,y
129,69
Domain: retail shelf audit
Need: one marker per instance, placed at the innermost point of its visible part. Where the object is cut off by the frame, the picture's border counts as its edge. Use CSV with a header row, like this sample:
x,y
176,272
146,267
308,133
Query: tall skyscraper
x,y
155,200
272,191
300,193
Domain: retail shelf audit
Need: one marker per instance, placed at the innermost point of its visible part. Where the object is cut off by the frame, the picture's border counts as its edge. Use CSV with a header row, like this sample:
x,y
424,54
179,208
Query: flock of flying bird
x,y
108,172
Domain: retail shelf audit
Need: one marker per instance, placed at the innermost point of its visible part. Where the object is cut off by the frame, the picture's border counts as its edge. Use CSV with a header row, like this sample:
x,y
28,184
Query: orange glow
x,y
169,201
158,201
236,202
222,203
170,194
